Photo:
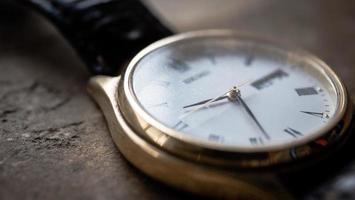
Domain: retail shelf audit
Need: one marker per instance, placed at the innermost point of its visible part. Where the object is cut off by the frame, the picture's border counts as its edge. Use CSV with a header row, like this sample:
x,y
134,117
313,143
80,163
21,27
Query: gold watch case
x,y
196,168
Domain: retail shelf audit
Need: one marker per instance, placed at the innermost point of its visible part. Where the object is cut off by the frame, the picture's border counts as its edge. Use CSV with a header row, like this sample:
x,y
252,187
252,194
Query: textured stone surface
x,y
54,143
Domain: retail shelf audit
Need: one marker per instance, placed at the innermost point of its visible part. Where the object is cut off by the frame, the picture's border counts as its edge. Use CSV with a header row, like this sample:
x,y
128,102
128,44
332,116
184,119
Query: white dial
x,y
231,93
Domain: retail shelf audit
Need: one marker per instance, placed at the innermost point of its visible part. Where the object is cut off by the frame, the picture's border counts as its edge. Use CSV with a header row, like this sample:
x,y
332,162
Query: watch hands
x,y
206,103
224,96
232,95
235,93
276,72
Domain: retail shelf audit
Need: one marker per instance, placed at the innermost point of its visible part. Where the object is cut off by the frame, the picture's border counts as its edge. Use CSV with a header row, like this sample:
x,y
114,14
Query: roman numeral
x,y
316,114
211,58
215,138
179,65
306,91
180,126
293,132
249,59
256,141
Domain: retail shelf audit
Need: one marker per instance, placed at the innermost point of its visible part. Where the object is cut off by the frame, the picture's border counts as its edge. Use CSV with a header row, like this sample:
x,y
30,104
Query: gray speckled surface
x,y
54,143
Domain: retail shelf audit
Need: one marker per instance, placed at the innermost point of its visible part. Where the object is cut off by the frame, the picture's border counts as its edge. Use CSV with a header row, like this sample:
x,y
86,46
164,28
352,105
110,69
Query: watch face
x,y
234,93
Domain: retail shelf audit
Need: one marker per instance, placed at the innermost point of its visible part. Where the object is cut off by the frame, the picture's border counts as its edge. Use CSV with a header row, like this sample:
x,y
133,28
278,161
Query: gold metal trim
x,y
176,143
134,104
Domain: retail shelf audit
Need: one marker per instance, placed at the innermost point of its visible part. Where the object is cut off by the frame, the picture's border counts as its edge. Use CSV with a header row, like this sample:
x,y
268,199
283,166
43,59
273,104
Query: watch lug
x,y
103,84
103,89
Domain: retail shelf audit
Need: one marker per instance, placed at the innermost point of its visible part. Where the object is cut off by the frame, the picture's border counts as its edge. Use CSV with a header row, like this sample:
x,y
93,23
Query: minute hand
x,y
246,107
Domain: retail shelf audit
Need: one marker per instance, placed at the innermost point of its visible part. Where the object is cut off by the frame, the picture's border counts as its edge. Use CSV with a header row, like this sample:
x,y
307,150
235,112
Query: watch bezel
x,y
177,143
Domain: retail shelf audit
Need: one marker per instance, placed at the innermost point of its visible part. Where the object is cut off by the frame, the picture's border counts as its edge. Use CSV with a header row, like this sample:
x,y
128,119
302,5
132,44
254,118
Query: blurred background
x,y
54,143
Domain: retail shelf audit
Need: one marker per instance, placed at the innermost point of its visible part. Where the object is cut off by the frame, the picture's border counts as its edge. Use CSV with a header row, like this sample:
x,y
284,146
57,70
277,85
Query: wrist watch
x,y
218,113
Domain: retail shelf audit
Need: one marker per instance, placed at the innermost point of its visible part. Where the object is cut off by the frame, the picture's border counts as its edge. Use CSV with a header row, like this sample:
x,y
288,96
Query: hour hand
x,y
225,96
205,101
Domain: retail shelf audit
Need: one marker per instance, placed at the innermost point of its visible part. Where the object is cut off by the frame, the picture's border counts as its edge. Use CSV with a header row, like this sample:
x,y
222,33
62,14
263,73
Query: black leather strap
x,y
105,33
